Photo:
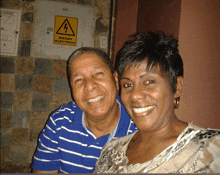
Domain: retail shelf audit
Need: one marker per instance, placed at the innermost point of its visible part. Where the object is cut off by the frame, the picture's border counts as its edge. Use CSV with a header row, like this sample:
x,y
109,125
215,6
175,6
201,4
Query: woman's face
x,y
147,96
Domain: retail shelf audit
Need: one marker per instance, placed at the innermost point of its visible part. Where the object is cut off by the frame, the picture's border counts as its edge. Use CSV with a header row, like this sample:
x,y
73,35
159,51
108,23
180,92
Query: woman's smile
x,y
143,110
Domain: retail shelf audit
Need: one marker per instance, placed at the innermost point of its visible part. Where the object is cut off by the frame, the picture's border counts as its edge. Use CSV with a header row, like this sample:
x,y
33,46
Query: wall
x,y
199,47
32,87
159,15
125,23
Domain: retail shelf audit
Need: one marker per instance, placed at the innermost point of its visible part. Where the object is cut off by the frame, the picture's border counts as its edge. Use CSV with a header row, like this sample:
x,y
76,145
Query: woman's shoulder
x,y
209,141
205,135
118,143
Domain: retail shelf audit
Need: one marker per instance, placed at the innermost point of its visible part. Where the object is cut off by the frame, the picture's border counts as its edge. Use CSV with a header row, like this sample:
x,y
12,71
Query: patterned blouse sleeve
x,y
210,156
101,160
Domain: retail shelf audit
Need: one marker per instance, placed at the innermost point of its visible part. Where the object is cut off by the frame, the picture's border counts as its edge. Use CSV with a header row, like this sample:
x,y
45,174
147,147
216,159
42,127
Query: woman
x,y
150,72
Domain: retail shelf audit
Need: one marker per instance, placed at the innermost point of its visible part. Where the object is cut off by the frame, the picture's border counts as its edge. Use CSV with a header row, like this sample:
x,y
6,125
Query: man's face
x,y
94,87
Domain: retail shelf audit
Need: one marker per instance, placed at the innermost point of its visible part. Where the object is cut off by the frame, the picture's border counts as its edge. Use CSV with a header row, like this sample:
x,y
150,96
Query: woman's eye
x,y
150,82
127,85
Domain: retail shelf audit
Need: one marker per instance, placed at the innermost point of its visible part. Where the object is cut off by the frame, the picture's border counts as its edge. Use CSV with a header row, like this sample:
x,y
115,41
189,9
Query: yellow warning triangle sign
x,y
65,29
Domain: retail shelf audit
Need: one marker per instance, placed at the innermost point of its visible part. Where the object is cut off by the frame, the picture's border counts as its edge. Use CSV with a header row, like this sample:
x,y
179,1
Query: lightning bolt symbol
x,y
65,27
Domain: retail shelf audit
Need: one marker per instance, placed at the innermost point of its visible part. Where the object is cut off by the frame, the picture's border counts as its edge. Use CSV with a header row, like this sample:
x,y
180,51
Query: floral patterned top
x,y
196,150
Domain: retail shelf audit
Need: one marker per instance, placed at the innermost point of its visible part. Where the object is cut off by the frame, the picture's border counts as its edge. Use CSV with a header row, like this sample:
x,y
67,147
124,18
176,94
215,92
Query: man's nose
x,y
90,84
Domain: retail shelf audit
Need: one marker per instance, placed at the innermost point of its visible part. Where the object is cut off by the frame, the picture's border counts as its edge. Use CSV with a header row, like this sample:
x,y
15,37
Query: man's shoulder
x,y
67,111
65,108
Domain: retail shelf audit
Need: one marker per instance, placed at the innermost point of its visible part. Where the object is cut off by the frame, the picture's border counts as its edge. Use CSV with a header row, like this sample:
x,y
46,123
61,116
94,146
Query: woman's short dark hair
x,y
157,49
83,50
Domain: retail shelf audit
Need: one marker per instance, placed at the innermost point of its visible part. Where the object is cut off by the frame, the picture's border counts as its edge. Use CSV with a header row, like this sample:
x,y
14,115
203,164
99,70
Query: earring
x,y
176,102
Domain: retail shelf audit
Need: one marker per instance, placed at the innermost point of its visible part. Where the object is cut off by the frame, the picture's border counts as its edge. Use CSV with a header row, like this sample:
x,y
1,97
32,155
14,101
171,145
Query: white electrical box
x,y
60,28
10,28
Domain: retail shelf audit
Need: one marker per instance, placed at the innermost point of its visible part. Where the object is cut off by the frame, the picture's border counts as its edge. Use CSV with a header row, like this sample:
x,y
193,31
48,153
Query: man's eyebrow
x,y
75,75
91,69
95,68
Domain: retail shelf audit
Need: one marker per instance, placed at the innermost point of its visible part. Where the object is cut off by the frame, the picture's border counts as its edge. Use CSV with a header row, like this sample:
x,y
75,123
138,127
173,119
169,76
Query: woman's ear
x,y
115,74
179,86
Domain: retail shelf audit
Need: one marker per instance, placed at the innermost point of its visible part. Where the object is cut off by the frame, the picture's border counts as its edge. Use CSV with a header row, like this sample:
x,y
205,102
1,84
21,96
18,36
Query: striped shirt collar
x,y
112,134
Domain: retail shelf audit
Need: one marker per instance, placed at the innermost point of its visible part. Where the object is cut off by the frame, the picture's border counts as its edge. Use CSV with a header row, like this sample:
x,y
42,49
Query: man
x,y
74,135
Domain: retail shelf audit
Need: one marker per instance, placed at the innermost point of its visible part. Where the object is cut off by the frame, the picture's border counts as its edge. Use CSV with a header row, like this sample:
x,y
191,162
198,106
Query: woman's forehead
x,y
152,68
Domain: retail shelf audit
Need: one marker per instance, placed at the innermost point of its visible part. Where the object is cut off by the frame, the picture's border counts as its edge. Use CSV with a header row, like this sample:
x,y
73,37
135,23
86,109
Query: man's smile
x,y
96,99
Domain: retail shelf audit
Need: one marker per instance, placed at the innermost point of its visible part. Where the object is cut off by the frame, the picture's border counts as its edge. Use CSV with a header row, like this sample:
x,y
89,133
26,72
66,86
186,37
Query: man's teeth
x,y
95,99
140,110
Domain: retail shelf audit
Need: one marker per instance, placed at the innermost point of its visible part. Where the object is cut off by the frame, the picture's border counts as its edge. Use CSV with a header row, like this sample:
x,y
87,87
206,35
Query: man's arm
x,y
45,172
47,150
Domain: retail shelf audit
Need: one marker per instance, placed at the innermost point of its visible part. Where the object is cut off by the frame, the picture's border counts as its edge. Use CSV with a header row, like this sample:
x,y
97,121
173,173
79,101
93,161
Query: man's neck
x,y
104,126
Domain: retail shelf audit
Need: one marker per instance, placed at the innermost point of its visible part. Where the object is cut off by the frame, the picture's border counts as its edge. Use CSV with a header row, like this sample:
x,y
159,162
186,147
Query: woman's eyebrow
x,y
148,73
122,78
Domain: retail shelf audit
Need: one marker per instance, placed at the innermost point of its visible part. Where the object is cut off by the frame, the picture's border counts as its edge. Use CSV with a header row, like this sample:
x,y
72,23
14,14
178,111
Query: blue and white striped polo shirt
x,y
67,145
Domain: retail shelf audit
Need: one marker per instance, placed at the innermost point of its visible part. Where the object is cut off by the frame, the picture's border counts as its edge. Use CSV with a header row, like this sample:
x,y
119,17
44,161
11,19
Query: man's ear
x,y
115,74
179,86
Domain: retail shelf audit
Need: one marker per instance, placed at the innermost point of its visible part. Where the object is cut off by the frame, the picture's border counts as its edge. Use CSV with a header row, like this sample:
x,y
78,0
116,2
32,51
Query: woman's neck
x,y
171,130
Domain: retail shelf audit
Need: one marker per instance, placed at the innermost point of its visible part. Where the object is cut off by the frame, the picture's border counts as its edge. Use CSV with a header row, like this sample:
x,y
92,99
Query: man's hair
x,y
155,47
83,50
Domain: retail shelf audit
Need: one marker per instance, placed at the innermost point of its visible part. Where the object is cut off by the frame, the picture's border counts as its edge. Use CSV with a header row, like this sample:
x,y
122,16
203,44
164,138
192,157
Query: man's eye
x,y
150,82
99,73
127,85
78,80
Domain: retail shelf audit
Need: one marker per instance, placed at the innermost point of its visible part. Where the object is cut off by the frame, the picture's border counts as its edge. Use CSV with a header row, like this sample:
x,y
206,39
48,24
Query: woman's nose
x,y
137,93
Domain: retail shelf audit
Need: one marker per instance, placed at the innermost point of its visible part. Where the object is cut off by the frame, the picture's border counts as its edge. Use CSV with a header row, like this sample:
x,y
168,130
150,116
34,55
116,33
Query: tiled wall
x,y
31,88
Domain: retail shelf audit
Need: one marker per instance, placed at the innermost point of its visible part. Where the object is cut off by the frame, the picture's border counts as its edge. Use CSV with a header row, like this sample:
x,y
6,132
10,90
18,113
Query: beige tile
x,y
31,151
5,153
68,1
37,123
11,167
22,101
43,84
24,66
34,134
59,99
11,4
38,120
27,6
59,68
20,136
104,6
6,119
7,83
19,157
26,31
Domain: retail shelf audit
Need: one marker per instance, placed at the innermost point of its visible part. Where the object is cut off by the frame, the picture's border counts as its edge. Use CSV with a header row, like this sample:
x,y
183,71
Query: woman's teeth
x,y
95,99
140,110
